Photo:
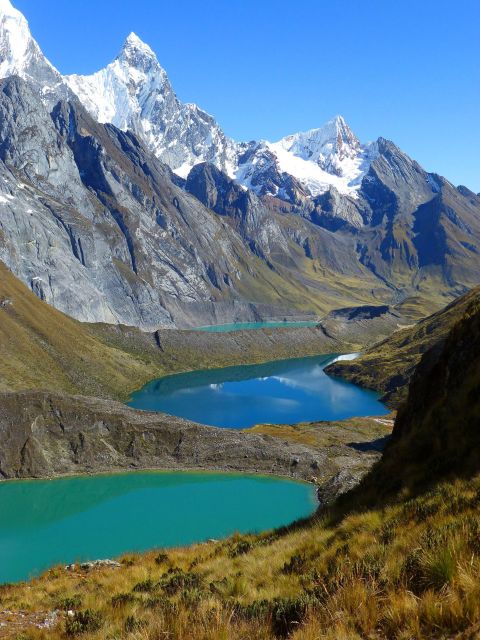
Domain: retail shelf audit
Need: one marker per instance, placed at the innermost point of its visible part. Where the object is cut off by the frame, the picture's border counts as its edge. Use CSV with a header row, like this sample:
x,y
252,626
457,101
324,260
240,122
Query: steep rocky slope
x,y
51,434
389,365
102,222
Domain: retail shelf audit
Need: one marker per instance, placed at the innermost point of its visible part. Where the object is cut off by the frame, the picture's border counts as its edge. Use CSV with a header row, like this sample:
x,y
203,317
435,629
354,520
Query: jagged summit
x,y
319,159
111,94
134,43
6,8
334,137
328,146
138,54
334,127
134,92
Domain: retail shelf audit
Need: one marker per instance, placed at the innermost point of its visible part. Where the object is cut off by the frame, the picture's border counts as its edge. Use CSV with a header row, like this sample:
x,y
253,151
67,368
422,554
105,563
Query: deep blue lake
x,y
285,391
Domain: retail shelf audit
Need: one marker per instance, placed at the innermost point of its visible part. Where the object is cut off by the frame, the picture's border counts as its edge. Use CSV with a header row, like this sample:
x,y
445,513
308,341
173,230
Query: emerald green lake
x,y
248,326
51,522
285,391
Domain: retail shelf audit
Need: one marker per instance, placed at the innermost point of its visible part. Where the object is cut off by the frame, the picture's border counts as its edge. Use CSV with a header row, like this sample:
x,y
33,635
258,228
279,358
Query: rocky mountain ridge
x,y
96,224
134,92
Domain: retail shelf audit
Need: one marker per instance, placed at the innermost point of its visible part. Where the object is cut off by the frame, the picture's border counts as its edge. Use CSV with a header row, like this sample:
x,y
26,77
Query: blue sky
x,y
408,70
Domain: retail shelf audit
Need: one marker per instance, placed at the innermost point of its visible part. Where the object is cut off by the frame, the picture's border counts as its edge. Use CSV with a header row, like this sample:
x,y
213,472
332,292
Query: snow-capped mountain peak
x,y
326,146
134,92
330,156
20,55
118,93
15,39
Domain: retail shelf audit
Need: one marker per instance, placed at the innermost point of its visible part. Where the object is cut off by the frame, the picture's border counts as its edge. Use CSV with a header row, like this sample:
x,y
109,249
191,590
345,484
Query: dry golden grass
x,y
408,570
327,434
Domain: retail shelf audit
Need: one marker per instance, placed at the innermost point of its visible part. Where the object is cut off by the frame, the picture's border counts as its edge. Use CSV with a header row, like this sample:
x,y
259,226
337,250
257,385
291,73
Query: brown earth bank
x,y
51,434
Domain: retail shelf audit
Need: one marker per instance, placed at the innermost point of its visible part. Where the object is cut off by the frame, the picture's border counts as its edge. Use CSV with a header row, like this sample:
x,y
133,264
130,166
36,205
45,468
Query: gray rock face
x,y
89,215
259,170
270,232
94,224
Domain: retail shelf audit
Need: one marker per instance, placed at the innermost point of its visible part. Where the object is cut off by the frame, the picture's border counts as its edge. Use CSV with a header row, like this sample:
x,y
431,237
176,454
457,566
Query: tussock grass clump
x,y
122,599
177,580
145,586
134,624
161,558
83,622
70,603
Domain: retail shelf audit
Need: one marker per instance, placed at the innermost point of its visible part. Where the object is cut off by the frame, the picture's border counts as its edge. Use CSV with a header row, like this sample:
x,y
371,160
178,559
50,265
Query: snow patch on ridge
x,y
347,357
318,180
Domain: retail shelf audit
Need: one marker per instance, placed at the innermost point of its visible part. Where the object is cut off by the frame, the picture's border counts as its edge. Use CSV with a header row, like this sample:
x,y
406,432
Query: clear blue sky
x,y
408,70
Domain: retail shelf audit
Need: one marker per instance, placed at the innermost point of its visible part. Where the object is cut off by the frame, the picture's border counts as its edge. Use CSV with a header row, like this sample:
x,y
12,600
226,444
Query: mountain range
x,y
121,204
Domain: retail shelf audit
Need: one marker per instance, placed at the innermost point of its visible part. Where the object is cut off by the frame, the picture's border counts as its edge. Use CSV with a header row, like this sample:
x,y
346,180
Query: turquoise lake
x,y
240,326
51,522
284,391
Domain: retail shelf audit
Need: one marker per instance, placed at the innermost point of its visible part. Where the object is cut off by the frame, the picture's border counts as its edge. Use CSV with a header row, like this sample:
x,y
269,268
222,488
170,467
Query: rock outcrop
x,y
46,434
436,436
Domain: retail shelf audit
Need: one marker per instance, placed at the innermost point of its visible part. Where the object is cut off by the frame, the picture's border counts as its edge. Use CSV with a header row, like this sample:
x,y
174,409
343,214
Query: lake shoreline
x,y
116,471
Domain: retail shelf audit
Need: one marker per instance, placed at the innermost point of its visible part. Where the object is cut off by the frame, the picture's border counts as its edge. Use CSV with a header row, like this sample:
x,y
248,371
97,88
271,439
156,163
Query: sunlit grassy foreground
x,y
409,570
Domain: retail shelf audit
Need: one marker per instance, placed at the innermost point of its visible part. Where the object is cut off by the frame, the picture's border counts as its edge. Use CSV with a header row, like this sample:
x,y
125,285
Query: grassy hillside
x,y
43,348
388,366
437,431
409,570
398,558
